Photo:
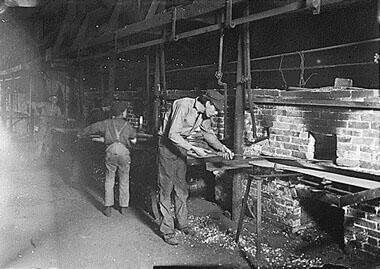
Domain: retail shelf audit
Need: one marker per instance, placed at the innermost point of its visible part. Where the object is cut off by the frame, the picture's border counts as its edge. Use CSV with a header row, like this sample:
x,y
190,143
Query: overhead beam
x,y
293,7
198,8
113,22
152,9
65,27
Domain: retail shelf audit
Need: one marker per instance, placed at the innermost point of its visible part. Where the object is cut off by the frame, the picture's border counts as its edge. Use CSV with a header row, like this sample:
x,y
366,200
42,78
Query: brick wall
x,y
294,129
363,222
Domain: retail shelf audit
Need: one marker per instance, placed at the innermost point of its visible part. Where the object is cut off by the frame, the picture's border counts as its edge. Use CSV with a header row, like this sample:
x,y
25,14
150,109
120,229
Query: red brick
x,y
291,146
375,125
300,141
299,154
371,249
354,117
367,149
373,241
346,147
282,138
363,141
365,156
366,223
340,94
311,114
344,139
347,162
349,132
371,133
358,125
283,152
355,212
374,234
357,94
280,125
369,117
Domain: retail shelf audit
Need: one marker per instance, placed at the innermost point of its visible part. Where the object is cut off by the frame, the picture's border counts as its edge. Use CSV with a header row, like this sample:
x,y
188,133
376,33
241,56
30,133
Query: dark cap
x,y
118,108
215,98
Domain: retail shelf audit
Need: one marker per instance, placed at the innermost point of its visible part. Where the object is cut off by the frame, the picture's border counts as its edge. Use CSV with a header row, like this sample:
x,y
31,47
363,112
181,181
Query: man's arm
x,y
210,137
97,127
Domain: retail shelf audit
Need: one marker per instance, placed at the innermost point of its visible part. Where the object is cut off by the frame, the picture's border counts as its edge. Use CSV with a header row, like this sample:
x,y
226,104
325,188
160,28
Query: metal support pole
x,y
157,86
244,206
238,133
258,223
112,77
31,121
147,91
162,66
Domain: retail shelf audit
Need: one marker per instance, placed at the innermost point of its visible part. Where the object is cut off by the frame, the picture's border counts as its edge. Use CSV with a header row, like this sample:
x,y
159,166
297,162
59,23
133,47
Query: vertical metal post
x,y
244,206
157,86
258,222
238,133
11,98
31,121
81,93
2,101
112,76
147,91
162,70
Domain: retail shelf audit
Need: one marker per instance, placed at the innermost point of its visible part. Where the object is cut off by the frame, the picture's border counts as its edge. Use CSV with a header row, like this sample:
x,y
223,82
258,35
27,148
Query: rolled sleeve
x,y
176,127
209,135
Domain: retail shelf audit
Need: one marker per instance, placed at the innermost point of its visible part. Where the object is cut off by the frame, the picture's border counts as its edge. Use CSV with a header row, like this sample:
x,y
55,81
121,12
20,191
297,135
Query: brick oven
x,y
340,126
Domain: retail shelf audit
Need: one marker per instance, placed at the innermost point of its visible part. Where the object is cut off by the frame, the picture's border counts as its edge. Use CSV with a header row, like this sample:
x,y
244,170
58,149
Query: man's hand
x,y
228,154
201,152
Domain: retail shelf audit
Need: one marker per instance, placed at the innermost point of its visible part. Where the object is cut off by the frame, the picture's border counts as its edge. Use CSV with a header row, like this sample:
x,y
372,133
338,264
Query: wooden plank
x,y
347,180
359,197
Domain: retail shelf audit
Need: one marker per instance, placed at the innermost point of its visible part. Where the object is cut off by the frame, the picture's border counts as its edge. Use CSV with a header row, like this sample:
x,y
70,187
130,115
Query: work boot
x,y
107,211
188,231
124,210
171,239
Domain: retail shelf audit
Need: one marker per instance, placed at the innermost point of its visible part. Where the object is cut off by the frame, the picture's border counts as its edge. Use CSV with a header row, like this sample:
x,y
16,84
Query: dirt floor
x,y
49,221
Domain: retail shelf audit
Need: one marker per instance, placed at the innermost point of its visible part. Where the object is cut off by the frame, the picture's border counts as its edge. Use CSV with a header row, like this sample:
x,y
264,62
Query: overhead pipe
x,y
247,81
219,76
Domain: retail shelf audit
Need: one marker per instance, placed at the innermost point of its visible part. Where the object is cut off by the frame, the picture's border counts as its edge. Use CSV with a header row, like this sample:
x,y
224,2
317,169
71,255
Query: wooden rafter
x,y
152,9
114,19
65,27
196,9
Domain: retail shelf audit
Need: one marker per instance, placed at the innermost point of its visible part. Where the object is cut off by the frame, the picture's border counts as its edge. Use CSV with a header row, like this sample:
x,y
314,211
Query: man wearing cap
x,y
188,117
118,135
49,114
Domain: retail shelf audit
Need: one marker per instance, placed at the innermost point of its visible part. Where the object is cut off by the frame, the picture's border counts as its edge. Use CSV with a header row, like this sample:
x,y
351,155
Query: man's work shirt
x,y
107,128
186,119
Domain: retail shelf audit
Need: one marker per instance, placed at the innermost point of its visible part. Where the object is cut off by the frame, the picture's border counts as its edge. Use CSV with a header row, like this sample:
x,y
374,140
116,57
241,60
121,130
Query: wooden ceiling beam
x,y
152,9
65,27
196,9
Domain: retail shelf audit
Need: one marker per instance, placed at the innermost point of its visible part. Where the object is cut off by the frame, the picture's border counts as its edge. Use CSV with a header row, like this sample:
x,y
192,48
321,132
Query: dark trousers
x,y
117,159
172,178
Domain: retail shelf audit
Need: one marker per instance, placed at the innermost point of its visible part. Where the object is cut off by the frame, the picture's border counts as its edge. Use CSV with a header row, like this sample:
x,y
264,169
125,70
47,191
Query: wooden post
x,y
238,133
